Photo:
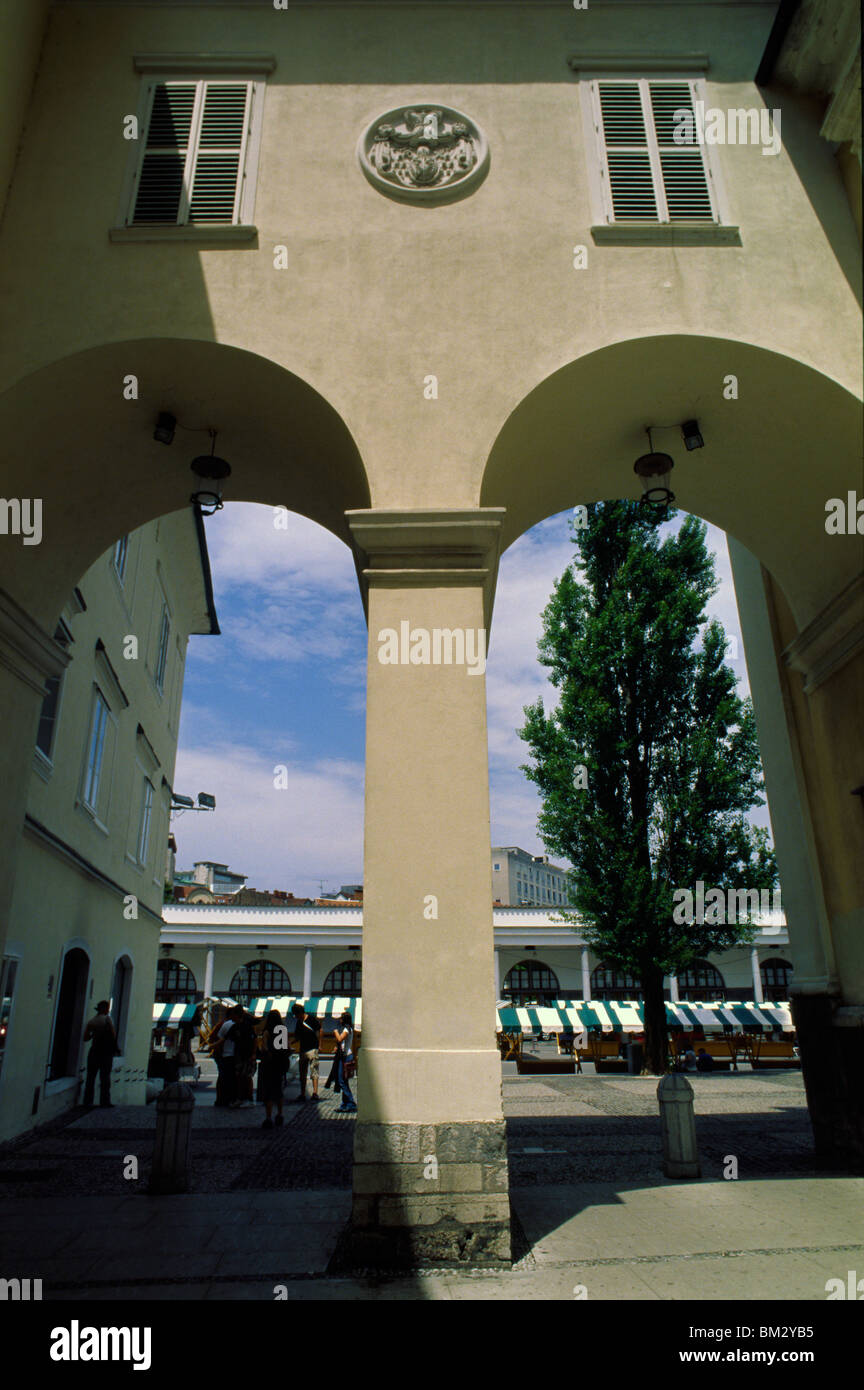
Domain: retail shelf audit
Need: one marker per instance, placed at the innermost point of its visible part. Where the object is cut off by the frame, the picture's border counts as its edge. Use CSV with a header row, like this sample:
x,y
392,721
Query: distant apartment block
x,y
520,879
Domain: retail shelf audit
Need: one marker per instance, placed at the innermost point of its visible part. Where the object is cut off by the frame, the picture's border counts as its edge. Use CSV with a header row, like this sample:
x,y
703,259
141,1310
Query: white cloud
x,y
281,838
284,595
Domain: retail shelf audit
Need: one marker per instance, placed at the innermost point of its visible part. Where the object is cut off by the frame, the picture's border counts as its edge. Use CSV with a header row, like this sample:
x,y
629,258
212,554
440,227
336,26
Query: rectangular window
x,y
95,751
50,705
121,550
647,175
192,164
162,648
144,823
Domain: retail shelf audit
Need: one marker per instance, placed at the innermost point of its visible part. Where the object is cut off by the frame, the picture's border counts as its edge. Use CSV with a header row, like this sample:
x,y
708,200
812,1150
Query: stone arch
x,y
89,454
772,457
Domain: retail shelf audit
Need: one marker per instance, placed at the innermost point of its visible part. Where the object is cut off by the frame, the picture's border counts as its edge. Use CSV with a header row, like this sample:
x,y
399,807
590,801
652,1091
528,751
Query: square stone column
x,y
430,1174
808,695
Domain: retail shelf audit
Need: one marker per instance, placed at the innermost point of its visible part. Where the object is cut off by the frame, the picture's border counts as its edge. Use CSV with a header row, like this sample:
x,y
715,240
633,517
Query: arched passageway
x,y
81,433
780,441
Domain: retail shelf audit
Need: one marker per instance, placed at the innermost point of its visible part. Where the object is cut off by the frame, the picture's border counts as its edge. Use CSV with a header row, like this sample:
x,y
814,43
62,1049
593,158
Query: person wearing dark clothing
x,y
103,1049
223,1051
704,1062
306,1037
245,1061
345,1067
273,1067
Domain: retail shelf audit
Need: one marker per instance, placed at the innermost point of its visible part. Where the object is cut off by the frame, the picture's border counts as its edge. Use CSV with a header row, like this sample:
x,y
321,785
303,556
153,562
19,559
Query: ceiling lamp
x,y
654,472
211,469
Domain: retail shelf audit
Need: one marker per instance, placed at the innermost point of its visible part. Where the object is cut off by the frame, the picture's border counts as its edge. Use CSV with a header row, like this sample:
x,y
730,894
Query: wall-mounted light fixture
x,y
214,470
166,424
691,435
179,803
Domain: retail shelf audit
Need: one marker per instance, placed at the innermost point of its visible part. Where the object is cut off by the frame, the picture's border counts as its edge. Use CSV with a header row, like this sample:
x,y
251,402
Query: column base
x,y
428,1195
832,1062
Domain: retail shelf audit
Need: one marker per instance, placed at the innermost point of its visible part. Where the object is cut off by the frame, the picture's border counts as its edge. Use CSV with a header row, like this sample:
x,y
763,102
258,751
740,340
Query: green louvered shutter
x,y
159,191
219,157
648,176
192,166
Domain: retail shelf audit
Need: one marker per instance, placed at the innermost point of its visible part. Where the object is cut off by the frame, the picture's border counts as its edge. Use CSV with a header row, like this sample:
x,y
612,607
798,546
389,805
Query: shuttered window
x,y
647,175
192,165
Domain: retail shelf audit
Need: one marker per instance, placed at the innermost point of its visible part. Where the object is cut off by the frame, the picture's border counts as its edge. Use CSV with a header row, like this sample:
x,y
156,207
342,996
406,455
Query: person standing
x,y
344,1035
245,1059
103,1049
273,1067
306,1036
223,1051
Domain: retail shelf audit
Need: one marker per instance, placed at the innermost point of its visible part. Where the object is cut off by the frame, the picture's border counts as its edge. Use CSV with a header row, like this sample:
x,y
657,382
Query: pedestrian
x,y
345,1064
274,1065
103,1049
306,1037
245,1060
690,1063
223,1051
704,1062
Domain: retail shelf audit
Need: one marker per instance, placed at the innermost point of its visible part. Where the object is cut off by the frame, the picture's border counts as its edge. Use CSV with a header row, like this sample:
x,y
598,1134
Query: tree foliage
x,y
648,707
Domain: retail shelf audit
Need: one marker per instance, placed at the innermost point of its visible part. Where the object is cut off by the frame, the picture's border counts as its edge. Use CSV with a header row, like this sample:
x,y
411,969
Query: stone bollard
x,y
678,1127
170,1171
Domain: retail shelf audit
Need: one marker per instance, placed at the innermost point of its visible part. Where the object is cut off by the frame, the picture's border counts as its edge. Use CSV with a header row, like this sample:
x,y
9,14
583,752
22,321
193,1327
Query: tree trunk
x,y
656,1038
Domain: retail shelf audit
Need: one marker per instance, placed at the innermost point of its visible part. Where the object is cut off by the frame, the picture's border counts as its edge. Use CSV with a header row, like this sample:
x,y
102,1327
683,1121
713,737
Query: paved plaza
x,y
593,1214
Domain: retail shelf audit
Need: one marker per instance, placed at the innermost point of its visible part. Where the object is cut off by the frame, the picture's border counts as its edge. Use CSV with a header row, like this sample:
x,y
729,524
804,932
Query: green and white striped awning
x,y
169,1015
322,1006
626,1016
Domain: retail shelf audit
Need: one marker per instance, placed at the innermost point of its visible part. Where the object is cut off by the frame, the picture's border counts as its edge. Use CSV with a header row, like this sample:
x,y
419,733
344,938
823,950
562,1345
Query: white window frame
x,y
145,821
163,644
120,570
93,772
603,215
159,69
44,762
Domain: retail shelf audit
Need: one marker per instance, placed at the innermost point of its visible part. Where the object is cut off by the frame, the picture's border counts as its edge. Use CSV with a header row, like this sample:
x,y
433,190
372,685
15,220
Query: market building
x,y
248,952
429,272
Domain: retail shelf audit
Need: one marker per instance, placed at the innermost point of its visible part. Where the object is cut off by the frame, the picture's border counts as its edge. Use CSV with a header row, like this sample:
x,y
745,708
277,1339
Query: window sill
x,y
63,1083
91,816
198,234
665,234
42,765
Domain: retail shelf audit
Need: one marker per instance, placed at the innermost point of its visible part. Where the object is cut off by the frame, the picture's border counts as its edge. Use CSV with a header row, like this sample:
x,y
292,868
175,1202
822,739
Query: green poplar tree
x,y
650,762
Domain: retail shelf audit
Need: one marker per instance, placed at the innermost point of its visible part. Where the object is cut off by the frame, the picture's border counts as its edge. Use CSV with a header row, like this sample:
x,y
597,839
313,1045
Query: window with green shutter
x,y
191,167
647,175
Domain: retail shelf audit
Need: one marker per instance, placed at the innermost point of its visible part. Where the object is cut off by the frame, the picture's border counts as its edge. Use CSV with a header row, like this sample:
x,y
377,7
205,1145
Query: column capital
x,y
429,548
26,649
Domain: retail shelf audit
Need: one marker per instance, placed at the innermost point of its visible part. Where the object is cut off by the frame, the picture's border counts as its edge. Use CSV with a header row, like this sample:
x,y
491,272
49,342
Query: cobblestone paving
x,y
561,1130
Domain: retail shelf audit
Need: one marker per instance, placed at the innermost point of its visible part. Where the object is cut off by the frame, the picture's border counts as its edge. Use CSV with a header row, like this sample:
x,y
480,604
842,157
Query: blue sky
x,y
285,684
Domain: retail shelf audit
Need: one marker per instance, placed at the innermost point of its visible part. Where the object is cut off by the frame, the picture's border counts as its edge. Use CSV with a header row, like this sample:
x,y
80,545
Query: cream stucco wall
x,y
77,874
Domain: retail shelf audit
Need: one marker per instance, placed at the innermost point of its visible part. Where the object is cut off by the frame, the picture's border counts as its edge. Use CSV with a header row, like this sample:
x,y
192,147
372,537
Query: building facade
x,y
430,271
520,879
245,952
86,915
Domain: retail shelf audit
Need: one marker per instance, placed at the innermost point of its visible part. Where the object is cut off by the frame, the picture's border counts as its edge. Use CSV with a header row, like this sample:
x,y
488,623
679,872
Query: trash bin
x,y
635,1058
